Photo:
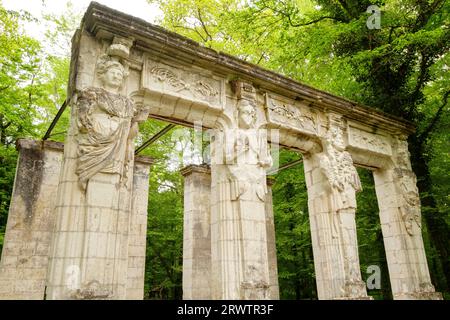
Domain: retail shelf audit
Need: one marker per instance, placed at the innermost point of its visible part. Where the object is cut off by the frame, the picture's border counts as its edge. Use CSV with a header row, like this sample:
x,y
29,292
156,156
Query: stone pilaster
x,y
197,233
271,244
137,239
24,262
400,217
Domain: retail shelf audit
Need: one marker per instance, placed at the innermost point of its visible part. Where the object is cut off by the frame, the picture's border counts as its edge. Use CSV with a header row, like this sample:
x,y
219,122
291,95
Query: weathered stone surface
x,y
239,160
332,184
399,203
137,238
271,244
23,266
197,233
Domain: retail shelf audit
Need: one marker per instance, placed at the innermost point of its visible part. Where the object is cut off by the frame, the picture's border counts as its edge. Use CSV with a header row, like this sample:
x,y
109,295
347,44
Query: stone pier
x,y
24,261
197,233
137,237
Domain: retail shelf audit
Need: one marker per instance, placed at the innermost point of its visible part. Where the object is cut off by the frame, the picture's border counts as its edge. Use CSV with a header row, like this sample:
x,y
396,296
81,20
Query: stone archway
x,y
124,70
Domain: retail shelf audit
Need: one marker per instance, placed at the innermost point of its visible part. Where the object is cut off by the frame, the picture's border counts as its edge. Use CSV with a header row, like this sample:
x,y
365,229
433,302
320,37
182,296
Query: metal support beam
x,y
55,121
154,138
286,166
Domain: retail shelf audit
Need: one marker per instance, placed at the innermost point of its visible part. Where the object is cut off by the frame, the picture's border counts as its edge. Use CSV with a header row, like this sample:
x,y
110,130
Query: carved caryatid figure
x,y
343,180
410,204
247,155
107,123
240,158
409,210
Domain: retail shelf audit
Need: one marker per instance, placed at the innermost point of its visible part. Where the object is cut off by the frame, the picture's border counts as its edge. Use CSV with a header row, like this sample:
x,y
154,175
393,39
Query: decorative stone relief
x,y
369,141
187,84
107,124
240,158
406,182
247,154
291,115
410,201
343,180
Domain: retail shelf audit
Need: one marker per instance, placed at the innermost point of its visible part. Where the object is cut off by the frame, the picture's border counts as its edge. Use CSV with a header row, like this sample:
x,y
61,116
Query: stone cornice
x,y
156,39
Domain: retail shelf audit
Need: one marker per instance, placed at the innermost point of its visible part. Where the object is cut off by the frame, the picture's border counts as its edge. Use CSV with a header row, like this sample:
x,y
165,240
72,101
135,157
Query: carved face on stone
x,y
113,78
336,136
247,115
111,73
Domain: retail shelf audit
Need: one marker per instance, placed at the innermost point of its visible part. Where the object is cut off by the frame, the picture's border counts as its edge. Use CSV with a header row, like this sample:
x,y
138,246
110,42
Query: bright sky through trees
x,y
138,8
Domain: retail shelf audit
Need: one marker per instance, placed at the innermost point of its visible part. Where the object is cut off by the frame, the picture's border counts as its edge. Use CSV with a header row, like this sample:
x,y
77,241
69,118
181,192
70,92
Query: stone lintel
x,y
202,168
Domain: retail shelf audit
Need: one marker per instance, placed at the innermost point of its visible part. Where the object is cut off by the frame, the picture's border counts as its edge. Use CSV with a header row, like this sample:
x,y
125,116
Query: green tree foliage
x,y
18,69
293,238
165,215
33,86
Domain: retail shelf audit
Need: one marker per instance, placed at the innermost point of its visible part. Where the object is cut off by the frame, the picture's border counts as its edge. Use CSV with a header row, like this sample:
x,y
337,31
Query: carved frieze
x,y
291,115
186,84
364,140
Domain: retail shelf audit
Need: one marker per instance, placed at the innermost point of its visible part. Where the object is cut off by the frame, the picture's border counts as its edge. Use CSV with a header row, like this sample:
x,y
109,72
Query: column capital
x,y
200,168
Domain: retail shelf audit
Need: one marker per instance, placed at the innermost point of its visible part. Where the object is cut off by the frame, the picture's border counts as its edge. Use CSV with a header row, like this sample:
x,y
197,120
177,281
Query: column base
x,y
354,298
418,296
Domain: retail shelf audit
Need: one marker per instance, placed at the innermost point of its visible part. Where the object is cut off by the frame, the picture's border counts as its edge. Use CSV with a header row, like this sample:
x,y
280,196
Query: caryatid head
x,y
247,114
335,136
111,73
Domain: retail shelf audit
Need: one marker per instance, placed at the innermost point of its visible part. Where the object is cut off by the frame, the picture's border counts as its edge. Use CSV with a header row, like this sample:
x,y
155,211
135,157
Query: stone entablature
x,y
182,81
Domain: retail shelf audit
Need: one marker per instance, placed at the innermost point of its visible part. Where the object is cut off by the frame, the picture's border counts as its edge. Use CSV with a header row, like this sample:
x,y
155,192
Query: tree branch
x,y
312,21
192,29
203,24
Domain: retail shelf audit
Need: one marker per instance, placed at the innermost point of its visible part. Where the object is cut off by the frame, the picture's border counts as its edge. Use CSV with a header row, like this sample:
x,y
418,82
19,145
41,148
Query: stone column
x,y
332,181
399,204
137,238
197,233
23,267
271,244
